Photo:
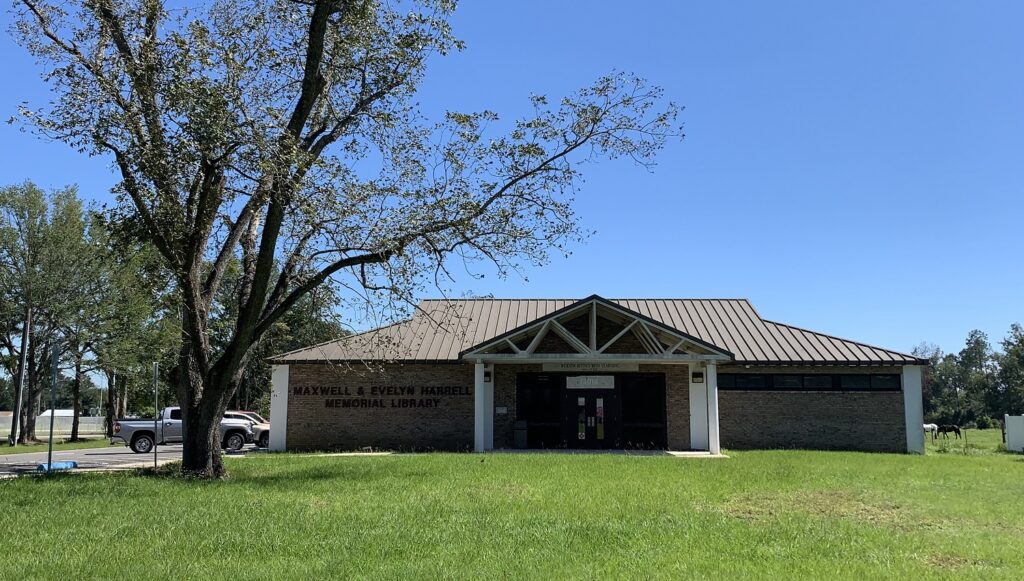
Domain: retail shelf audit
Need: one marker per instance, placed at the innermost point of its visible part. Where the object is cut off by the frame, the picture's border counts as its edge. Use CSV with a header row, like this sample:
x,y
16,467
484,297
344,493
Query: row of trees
x,y
976,385
70,280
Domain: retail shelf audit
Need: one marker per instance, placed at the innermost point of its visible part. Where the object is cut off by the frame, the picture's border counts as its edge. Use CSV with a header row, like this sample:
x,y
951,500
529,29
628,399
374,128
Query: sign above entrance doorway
x,y
590,382
592,366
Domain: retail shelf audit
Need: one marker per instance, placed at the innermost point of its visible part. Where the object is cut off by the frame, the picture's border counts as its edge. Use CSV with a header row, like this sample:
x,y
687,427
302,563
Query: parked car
x,y
139,435
260,426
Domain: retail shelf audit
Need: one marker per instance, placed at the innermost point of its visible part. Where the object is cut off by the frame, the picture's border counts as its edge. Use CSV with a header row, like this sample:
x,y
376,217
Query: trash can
x,y
519,432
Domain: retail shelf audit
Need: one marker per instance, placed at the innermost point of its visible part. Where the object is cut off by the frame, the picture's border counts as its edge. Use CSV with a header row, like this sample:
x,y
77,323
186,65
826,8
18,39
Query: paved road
x,y
112,457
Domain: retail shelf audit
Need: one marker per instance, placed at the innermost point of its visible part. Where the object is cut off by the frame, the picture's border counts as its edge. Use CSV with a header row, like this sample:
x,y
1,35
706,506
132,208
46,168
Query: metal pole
x,y
156,408
54,358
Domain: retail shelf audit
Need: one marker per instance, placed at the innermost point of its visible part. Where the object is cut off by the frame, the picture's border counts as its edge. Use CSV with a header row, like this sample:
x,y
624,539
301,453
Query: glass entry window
x,y
621,410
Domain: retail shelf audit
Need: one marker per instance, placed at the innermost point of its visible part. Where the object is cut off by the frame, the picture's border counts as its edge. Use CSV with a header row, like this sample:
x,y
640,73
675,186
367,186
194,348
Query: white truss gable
x,y
658,341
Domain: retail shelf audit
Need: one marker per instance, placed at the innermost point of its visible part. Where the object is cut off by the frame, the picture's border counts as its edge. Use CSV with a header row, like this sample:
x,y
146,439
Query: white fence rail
x,y
87,426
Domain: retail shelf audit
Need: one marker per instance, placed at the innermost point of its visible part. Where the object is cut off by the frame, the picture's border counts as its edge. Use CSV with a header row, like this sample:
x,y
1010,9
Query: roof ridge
x,y
336,339
838,338
741,299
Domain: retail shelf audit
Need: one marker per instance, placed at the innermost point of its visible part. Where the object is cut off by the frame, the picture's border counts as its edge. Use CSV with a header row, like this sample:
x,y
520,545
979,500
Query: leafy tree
x,y
933,354
246,130
1010,398
135,325
963,384
40,237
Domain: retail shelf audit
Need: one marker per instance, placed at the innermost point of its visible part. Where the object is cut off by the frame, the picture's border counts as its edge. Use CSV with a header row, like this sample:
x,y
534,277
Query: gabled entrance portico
x,y
591,343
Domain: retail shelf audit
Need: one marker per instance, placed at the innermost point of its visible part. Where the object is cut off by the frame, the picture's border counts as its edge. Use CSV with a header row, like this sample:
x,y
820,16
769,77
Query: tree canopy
x,y
977,385
285,134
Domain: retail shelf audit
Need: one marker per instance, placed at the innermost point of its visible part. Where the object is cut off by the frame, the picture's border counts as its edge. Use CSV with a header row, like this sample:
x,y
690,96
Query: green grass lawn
x,y
758,514
58,444
972,442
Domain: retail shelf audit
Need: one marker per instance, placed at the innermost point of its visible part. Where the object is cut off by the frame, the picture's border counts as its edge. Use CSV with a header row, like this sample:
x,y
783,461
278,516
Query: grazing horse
x,y
932,429
944,429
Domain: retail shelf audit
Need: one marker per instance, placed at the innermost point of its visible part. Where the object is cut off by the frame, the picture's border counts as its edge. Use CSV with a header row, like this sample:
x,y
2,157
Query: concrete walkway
x,y
688,454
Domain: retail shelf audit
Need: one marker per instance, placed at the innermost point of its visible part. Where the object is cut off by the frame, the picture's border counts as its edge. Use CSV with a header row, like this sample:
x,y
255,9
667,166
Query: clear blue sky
x,y
854,167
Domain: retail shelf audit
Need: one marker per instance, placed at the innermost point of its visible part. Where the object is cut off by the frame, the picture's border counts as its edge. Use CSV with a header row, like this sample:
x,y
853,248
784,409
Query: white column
x,y
479,405
913,408
278,408
712,381
698,411
489,407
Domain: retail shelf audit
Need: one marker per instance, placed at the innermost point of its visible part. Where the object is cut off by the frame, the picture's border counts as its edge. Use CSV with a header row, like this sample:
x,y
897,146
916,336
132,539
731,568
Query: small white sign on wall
x,y
590,382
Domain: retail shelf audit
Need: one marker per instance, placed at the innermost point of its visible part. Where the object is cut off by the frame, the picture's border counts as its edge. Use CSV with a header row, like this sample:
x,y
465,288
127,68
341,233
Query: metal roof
x,y
441,329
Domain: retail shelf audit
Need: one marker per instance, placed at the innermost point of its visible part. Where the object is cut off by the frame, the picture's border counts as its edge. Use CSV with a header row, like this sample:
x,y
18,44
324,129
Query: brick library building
x,y
664,374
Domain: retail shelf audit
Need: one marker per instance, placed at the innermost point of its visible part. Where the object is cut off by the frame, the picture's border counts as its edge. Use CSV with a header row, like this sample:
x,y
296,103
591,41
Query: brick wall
x,y
505,396
869,421
321,414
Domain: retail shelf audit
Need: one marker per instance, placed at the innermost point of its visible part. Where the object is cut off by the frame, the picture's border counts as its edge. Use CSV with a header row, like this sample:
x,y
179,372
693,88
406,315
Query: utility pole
x,y
54,359
156,411
19,388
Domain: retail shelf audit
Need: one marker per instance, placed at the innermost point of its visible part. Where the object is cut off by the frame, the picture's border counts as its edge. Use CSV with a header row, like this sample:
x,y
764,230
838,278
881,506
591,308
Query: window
x,y
176,414
788,381
744,381
817,382
886,382
855,382
810,382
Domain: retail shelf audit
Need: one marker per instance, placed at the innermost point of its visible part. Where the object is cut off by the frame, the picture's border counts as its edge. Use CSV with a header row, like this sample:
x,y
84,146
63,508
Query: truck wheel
x,y
142,443
264,440
234,441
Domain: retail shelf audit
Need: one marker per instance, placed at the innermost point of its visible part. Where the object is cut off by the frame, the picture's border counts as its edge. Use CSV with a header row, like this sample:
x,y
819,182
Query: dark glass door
x,y
591,418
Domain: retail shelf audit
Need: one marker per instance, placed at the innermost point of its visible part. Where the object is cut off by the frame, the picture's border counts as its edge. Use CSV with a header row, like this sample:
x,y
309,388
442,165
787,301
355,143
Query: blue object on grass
x,y
68,465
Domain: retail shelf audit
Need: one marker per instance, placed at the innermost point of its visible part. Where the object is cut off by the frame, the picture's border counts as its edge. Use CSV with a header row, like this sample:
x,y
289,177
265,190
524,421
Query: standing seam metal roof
x,y
441,329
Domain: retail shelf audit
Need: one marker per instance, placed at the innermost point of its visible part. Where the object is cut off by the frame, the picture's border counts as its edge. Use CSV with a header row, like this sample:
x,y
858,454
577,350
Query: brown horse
x,y
945,429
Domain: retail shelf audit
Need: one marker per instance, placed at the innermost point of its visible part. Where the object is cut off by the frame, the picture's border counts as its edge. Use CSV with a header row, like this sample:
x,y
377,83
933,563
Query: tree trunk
x,y
111,390
19,388
28,434
201,454
122,400
76,397
201,450
31,414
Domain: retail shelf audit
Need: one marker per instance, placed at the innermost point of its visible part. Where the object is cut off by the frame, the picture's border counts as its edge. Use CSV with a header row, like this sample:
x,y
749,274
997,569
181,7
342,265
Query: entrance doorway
x,y
593,418
620,410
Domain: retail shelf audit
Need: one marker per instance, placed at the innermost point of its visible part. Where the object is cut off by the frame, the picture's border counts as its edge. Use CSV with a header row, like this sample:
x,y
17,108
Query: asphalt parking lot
x,y
113,457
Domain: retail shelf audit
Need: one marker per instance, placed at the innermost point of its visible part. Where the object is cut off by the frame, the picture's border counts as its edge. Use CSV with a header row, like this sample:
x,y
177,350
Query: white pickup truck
x,y
139,435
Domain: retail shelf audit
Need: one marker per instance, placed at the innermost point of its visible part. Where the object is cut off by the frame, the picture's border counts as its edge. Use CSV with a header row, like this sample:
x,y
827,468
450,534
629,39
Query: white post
x,y
712,380
479,405
489,407
913,408
698,411
278,407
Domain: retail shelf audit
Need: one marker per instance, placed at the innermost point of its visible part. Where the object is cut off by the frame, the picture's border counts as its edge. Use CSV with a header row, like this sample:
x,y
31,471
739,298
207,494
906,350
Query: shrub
x,y
985,422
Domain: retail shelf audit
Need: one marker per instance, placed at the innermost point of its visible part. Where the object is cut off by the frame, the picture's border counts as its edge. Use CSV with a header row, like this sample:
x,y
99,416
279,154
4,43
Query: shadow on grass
x,y
285,478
